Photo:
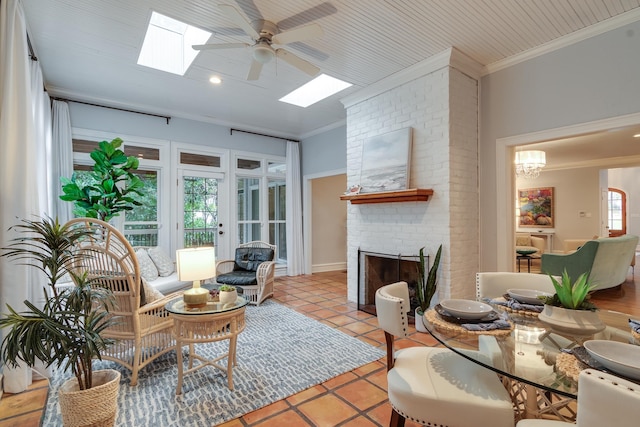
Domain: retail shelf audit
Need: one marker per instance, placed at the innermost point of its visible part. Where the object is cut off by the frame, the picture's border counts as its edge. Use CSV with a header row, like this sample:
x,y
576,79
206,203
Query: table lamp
x,y
196,264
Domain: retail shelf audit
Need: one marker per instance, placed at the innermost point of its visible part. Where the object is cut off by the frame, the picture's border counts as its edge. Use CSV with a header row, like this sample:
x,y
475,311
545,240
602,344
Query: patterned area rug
x,y
280,353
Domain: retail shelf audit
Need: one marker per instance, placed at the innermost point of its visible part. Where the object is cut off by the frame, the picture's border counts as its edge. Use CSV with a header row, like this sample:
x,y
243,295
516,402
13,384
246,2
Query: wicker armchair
x,y
143,333
254,271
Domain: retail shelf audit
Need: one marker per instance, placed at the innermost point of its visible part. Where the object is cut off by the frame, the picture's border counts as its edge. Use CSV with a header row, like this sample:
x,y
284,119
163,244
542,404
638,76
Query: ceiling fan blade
x,y
311,14
249,8
296,61
219,46
236,17
254,71
311,31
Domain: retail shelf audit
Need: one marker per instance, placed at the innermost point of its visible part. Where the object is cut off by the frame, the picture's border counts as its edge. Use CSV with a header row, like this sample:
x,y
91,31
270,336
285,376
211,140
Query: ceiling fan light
x,y
263,53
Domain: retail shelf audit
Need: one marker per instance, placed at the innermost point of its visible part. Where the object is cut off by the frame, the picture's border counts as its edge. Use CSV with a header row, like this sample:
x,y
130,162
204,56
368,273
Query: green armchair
x,y
606,260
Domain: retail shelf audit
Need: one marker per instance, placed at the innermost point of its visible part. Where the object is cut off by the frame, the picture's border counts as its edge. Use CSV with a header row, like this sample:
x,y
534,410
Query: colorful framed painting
x,y
385,162
536,207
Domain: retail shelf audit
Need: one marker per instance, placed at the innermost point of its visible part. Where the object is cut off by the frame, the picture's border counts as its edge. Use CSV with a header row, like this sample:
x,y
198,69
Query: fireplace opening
x,y
378,269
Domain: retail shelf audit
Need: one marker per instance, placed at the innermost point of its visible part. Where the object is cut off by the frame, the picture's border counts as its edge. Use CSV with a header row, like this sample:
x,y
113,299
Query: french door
x,y
202,205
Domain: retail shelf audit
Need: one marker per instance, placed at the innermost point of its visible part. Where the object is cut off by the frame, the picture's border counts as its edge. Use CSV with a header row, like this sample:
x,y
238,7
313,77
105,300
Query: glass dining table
x,y
538,363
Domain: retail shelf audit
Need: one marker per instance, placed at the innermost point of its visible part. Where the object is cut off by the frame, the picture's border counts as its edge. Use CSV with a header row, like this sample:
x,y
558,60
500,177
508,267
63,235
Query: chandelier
x,y
529,163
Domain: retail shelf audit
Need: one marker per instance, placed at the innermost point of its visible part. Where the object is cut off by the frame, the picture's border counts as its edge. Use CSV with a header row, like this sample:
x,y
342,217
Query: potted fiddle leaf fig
x,y
426,286
569,309
114,187
65,330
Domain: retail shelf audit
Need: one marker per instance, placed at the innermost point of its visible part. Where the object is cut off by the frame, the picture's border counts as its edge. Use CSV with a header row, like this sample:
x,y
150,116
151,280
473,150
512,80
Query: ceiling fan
x,y
265,34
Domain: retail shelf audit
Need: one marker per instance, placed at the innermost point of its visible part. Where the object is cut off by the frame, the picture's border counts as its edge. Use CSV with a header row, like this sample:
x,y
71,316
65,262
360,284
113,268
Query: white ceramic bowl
x,y
617,356
527,296
466,309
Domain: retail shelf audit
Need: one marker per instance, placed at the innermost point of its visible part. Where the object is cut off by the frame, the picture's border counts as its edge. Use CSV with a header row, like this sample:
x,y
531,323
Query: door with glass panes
x,y
201,219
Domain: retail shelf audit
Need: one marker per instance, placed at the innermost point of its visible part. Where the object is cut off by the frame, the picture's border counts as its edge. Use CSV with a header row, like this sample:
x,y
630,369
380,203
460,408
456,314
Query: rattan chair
x,y
142,333
435,386
259,287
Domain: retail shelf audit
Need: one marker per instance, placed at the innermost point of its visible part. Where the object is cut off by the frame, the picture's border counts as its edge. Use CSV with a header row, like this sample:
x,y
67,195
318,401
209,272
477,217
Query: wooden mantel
x,y
411,195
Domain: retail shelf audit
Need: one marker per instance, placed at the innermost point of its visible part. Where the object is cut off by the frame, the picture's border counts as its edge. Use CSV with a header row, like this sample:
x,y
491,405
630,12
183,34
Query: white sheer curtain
x,y
295,255
61,159
23,137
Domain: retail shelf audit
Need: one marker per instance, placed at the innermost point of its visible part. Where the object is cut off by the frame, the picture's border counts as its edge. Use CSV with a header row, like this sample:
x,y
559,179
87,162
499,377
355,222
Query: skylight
x,y
167,44
317,89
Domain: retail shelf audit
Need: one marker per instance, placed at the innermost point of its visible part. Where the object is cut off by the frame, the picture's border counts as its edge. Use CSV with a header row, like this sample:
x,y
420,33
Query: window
x,y
277,216
261,202
248,206
200,211
141,224
617,203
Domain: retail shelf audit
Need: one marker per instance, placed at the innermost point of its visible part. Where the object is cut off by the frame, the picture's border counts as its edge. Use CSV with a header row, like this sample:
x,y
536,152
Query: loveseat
x,y
525,241
253,269
606,260
158,270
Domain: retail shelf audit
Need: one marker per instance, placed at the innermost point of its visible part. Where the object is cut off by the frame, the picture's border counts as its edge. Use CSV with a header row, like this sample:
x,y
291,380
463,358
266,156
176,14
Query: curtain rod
x,y
167,118
261,134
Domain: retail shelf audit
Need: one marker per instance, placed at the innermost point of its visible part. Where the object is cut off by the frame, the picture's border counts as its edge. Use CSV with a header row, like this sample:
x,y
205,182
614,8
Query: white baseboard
x,y
335,266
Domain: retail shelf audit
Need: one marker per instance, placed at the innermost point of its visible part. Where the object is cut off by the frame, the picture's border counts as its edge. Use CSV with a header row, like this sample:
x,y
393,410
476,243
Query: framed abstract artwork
x,y
536,207
385,162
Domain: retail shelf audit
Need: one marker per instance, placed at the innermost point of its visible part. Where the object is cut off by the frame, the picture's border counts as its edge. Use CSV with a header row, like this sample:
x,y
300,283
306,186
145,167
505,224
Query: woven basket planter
x,y
95,407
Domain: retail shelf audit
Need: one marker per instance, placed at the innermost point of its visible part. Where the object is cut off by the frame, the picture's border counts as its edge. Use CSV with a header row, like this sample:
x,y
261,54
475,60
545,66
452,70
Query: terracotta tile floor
x,y
356,398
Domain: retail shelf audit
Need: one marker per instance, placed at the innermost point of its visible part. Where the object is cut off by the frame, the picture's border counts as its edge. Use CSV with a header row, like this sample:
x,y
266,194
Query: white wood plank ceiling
x,y
89,48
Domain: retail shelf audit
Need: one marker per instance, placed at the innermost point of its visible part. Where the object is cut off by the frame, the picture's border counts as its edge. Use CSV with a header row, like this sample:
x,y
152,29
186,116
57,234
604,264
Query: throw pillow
x,y
151,294
148,269
523,241
163,262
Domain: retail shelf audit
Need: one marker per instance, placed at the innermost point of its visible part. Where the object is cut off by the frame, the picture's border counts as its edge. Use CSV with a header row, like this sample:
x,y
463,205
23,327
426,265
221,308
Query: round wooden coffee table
x,y
212,322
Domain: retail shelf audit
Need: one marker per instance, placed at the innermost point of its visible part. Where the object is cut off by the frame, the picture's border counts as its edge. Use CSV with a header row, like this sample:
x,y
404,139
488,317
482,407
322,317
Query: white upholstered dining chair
x,y
435,386
603,400
495,284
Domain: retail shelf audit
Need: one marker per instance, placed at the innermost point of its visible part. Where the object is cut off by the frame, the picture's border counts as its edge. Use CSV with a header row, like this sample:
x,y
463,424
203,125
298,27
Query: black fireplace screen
x,y
378,269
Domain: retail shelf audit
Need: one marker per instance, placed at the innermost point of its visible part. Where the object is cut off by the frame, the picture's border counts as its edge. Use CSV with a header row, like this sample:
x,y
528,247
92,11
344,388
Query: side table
x,y
213,322
526,258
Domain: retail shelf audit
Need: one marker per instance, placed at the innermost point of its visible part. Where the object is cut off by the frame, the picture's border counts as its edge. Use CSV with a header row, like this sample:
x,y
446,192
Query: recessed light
x,y
637,135
215,80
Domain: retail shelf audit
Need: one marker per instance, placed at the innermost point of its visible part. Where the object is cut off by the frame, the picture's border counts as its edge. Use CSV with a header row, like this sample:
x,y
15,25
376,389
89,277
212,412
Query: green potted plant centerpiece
x,y
569,309
228,294
114,185
426,286
65,331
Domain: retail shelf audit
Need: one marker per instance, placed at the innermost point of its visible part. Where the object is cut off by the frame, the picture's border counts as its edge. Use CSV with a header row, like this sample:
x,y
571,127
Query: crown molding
x,y
561,42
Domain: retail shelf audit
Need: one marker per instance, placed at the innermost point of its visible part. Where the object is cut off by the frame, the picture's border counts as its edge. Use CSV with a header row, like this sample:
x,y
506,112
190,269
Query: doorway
x,y
505,177
201,220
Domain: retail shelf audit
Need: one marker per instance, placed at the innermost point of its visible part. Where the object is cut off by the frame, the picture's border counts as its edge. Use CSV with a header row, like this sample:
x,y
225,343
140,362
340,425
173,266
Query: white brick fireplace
x,y
438,99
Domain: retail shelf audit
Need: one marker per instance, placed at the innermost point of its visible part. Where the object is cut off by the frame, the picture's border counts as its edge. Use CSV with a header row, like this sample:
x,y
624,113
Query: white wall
x,y
324,152
593,79
441,108
574,191
181,130
329,224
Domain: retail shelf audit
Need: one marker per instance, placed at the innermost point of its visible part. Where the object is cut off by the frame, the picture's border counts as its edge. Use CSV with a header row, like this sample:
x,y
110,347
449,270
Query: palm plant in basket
x,y
65,331
426,288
